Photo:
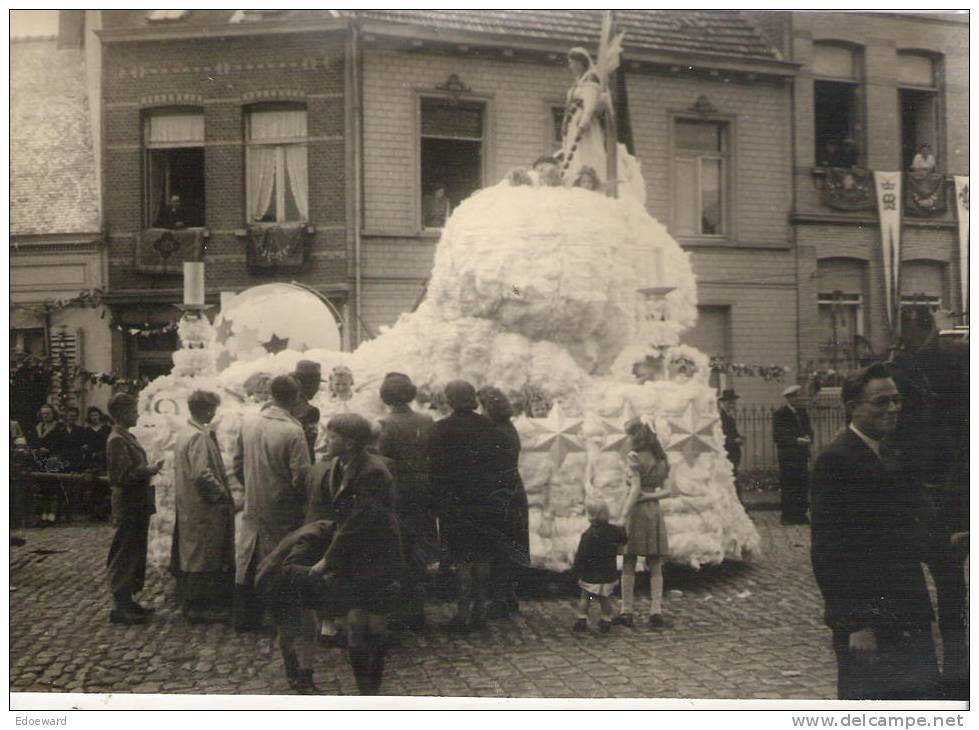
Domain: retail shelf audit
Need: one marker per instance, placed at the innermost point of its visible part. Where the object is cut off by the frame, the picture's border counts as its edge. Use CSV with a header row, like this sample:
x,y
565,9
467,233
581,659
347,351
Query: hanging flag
x,y
888,186
962,208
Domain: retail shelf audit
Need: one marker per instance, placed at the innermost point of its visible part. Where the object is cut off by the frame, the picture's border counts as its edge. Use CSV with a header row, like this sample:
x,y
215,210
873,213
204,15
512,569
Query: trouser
x,y
948,571
248,610
794,490
905,667
473,586
126,564
502,587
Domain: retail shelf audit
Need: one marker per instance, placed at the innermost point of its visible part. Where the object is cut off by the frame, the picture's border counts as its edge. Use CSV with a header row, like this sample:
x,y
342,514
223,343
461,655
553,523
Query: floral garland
x,y
144,330
768,373
90,299
270,248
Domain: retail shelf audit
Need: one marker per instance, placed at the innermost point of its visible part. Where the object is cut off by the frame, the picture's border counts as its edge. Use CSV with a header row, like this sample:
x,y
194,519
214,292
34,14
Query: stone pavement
x,y
746,631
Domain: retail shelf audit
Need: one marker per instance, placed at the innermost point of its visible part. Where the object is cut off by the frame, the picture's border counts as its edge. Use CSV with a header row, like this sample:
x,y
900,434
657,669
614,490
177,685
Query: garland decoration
x,y
768,373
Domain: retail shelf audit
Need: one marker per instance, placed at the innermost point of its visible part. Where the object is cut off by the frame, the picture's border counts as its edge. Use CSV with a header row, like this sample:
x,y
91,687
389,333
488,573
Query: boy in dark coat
x,y
594,564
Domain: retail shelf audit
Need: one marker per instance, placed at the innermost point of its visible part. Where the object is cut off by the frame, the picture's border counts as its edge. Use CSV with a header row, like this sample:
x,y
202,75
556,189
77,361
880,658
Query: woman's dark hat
x,y
729,394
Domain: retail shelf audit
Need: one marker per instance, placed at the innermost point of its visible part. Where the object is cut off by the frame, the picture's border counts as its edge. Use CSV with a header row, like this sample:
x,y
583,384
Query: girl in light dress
x,y
643,519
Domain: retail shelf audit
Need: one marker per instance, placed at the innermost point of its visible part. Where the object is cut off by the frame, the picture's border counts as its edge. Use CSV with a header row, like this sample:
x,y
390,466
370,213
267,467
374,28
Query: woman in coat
x,y
404,441
467,475
202,556
133,502
496,406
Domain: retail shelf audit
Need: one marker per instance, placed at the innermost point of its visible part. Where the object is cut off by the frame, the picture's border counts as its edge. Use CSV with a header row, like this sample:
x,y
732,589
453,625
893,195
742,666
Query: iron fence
x,y
755,427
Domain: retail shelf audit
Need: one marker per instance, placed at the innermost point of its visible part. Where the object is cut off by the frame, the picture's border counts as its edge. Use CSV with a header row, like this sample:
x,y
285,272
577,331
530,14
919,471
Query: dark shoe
x,y
656,621
133,606
623,619
204,616
604,626
302,683
127,617
512,606
478,621
580,626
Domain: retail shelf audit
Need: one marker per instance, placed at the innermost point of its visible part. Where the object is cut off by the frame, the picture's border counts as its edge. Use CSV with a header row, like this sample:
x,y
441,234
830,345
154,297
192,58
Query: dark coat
x,y
334,488
468,467
595,560
308,416
97,439
404,441
729,426
517,515
867,538
787,426
76,443
133,495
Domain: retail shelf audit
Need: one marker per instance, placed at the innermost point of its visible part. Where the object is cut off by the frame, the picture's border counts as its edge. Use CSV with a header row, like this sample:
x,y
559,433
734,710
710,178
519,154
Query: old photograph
x,y
391,354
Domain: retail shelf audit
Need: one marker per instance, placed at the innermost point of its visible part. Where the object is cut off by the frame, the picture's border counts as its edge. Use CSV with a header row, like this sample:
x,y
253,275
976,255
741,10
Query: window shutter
x,y
66,347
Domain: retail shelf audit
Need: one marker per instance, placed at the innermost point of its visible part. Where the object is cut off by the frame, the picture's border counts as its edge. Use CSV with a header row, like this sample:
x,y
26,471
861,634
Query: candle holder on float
x,y
193,305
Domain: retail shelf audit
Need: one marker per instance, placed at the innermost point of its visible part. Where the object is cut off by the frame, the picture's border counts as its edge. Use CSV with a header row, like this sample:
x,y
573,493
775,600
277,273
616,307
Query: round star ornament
x,y
557,435
690,433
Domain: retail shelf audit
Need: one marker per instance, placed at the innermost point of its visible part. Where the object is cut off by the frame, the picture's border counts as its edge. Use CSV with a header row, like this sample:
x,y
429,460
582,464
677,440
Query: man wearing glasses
x,y
868,542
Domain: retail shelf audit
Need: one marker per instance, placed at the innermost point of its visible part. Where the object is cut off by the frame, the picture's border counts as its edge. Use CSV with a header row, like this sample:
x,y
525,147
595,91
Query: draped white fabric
x,y
261,180
298,178
278,125
175,129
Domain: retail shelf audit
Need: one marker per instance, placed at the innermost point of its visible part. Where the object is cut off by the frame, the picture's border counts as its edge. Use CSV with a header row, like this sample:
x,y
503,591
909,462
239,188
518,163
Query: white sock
x,y
655,587
628,591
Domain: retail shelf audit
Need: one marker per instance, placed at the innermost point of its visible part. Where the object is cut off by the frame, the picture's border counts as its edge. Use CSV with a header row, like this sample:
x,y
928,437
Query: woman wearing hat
x,y
404,441
581,131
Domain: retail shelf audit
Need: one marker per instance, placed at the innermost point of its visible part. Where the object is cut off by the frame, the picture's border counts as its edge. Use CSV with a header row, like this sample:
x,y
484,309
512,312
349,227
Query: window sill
x,y
308,229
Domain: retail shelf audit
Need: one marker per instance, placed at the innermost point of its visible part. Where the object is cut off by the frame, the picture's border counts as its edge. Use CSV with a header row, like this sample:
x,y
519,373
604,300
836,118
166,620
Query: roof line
x,y
33,38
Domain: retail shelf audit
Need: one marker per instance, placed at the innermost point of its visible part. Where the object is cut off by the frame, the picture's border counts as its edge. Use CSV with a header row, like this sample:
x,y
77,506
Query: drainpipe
x,y
354,59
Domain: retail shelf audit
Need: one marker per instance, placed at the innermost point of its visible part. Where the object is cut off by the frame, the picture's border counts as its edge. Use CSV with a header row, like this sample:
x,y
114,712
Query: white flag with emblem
x,y
889,210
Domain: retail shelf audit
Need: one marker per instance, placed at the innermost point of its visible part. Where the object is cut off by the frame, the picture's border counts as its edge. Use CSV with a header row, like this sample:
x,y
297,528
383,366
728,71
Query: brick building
x,y
888,82
308,145
242,115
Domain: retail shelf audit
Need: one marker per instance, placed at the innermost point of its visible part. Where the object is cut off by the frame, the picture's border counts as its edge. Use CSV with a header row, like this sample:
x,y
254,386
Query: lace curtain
x,y
175,129
276,131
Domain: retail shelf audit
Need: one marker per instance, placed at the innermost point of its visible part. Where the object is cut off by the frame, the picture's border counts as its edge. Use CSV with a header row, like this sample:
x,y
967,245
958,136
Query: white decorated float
x,y
571,302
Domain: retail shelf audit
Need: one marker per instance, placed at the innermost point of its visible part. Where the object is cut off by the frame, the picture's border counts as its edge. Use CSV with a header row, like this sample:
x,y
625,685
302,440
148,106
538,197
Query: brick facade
x,y
222,77
751,272
822,233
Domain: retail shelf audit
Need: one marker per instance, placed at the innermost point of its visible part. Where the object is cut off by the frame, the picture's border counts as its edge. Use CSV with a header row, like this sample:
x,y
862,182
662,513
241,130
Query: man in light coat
x,y
202,556
272,461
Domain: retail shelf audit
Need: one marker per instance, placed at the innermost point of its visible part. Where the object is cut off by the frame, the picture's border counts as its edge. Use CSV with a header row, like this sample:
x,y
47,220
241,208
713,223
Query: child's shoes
x,y
580,626
623,619
656,621
604,626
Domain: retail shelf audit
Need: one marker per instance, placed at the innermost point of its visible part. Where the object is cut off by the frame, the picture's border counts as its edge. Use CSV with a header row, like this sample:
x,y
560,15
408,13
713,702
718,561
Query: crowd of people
x,y
340,551
63,445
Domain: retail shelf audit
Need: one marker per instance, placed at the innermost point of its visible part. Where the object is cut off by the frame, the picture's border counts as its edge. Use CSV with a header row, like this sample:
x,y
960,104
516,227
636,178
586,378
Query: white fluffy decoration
x,y
532,288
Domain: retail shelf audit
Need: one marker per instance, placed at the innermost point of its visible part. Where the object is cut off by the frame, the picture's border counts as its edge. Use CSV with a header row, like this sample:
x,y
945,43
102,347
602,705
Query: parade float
x,y
571,301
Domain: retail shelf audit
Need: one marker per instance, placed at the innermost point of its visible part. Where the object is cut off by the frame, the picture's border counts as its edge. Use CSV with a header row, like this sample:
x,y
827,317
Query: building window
x,y
151,356
918,99
840,330
451,144
28,341
837,107
712,336
702,164
174,147
278,178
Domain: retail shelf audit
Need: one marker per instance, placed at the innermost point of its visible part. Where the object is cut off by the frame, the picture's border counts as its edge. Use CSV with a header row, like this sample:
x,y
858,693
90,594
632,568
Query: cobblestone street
x,y
739,631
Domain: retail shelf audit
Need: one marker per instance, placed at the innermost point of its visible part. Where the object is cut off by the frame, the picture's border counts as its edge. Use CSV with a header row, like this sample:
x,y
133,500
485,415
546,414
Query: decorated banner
x,y
889,210
925,194
962,208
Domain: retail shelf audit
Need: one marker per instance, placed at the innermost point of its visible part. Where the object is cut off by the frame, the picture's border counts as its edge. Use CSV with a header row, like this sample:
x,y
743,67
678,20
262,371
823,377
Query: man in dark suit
x,y
793,436
309,376
728,406
867,545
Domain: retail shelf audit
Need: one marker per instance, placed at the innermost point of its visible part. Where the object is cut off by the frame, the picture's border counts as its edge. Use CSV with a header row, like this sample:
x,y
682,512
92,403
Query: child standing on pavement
x,y
648,470
594,564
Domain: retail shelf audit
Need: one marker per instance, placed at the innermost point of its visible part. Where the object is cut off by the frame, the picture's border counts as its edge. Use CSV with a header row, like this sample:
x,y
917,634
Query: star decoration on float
x,y
557,435
614,439
223,331
690,433
276,344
